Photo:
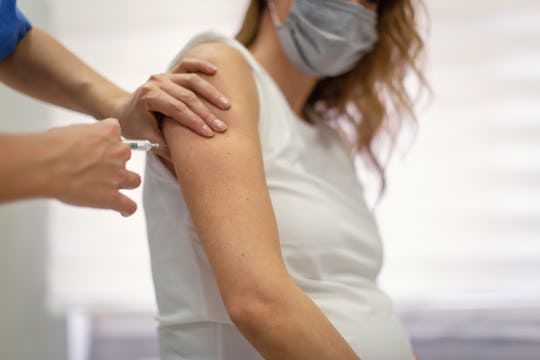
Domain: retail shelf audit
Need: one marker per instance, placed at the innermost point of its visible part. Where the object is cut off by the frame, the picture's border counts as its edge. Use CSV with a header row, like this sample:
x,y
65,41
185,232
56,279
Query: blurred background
x,y
460,220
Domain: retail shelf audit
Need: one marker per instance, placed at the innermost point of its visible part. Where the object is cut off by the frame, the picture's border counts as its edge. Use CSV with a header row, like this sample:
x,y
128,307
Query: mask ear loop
x,y
273,12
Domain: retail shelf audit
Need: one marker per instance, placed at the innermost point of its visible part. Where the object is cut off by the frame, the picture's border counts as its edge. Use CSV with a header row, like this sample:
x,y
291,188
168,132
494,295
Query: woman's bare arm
x,y
223,182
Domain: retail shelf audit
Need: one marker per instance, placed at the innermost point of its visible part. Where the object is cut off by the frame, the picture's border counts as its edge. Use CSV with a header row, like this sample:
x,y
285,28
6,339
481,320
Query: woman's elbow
x,y
252,314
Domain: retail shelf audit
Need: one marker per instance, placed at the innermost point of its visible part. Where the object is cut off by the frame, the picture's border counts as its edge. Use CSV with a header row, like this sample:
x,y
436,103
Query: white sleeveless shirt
x,y
329,240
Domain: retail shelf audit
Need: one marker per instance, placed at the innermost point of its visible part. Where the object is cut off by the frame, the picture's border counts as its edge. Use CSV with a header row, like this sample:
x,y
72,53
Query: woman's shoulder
x,y
218,53
216,48
234,76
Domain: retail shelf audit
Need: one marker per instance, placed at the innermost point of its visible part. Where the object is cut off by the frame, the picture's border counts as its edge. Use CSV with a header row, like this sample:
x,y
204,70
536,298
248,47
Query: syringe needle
x,y
140,145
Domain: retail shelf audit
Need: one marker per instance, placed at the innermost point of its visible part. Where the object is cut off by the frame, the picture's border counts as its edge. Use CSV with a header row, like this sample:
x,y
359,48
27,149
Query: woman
x,y
269,249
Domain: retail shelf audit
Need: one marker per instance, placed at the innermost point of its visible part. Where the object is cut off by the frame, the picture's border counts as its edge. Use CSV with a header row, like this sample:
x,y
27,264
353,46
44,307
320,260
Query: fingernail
x,y
220,125
223,101
212,67
207,131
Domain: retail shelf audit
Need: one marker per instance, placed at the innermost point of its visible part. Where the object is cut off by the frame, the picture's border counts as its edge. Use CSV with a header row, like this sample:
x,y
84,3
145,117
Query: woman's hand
x,y
176,95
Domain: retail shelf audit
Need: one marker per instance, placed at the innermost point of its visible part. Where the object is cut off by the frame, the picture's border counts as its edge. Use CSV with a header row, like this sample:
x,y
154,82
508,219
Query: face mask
x,y
325,37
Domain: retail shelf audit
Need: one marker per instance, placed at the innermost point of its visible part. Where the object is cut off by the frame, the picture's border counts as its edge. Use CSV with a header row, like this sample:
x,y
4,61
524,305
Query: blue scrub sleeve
x,y
13,27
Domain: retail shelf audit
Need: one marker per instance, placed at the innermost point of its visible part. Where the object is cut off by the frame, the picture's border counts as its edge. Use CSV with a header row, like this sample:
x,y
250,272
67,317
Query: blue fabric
x,y
13,27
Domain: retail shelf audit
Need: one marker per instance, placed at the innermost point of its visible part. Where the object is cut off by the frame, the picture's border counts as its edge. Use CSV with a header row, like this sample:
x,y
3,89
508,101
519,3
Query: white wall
x,y
462,215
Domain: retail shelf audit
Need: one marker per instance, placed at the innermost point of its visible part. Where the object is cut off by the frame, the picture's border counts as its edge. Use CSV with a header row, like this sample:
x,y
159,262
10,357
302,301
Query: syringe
x,y
141,145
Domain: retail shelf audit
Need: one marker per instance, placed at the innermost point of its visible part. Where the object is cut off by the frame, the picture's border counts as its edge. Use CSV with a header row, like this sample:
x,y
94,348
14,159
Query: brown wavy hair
x,y
372,97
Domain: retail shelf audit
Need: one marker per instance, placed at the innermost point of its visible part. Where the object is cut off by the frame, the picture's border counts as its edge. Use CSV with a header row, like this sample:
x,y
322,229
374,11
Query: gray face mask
x,y
325,37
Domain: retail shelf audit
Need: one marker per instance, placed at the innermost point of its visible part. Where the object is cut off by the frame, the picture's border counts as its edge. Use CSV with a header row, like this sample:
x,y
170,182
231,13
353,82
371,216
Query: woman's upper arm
x,y
224,185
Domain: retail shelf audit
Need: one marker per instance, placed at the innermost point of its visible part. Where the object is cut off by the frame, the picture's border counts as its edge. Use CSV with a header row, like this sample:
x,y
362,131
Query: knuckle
x,y
120,178
146,89
180,107
207,116
187,61
189,97
112,129
149,100
192,77
126,180
114,197
154,78
125,152
181,79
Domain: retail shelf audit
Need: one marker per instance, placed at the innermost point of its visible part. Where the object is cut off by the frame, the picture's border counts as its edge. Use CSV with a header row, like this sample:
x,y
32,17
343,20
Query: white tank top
x,y
329,240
